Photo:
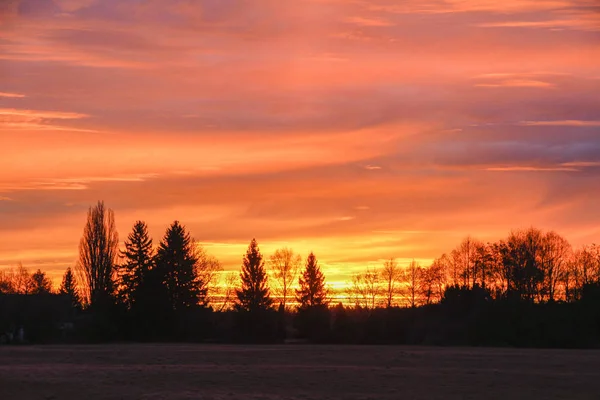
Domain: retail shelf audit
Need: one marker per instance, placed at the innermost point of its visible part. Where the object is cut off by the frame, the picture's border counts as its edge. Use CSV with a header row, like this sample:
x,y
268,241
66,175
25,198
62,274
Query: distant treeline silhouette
x,y
530,289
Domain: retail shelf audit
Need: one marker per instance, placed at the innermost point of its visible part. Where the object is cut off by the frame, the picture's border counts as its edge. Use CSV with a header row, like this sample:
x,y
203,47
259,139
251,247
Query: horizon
x,y
361,131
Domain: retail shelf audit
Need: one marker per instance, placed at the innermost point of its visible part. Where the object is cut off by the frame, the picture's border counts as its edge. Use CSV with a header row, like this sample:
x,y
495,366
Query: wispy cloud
x,y
518,83
570,122
373,22
11,95
580,21
36,120
37,115
531,169
372,167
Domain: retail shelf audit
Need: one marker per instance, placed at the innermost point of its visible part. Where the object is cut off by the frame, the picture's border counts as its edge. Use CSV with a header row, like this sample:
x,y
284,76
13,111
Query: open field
x,y
295,372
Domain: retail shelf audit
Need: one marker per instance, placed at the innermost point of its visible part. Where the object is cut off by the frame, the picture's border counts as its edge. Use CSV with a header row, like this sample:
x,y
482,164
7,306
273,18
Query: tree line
x,y
171,291
529,264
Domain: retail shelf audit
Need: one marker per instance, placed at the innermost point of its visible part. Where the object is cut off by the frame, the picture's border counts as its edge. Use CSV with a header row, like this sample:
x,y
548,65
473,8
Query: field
x,y
295,372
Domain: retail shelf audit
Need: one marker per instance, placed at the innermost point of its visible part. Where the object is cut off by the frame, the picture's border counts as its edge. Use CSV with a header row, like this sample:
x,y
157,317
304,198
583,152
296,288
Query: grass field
x,y
295,372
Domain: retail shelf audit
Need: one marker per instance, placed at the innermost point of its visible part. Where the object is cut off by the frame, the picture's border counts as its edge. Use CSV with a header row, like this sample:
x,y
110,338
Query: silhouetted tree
x,y
312,291
22,282
411,278
254,295
391,274
285,264
6,283
228,289
555,255
68,287
98,251
365,288
176,263
138,261
207,269
521,254
41,284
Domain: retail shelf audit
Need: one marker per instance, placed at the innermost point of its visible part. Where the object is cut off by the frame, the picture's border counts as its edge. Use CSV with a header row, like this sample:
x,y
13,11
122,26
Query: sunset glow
x,y
360,130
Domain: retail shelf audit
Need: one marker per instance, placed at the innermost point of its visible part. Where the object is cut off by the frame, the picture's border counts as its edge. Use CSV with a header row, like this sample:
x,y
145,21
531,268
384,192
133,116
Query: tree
x,y
285,264
98,251
465,258
138,261
6,282
254,295
411,277
521,254
177,265
312,291
555,255
22,283
69,288
391,276
207,269
366,288
431,282
40,283
228,290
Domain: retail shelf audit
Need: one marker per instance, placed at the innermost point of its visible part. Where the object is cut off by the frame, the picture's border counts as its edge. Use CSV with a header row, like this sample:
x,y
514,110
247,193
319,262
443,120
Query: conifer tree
x,y
312,291
176,263
69,288
254,295
137,264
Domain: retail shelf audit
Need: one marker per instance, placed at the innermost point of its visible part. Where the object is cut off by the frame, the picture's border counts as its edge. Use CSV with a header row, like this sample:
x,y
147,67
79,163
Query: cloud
x,y
368,22
517,83
11,95
571,123
372,167
531,169
38,115
34,120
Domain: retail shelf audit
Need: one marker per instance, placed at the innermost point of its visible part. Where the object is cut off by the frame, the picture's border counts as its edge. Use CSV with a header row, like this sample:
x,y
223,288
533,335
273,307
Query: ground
x,y
306,372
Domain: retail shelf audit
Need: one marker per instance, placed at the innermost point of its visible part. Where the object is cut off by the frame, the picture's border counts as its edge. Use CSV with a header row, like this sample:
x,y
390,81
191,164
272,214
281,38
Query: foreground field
x,y
295,372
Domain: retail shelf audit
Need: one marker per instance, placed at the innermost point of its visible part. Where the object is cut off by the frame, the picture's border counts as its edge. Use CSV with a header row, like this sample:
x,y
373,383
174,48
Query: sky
x,y
360,130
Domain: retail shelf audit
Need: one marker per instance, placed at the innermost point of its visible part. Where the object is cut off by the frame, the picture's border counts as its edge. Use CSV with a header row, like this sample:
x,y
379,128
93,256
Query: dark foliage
x,y
312,291
254,295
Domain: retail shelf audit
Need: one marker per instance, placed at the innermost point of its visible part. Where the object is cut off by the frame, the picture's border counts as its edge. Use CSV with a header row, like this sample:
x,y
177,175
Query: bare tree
x,y
228,290
208,268
555,256
366,288
22,282
431,282
6,282
391,274
98,252
411,278
285,264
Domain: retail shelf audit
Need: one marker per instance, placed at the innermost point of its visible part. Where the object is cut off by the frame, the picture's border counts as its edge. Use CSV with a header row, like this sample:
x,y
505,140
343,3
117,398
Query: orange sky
x,y
361,130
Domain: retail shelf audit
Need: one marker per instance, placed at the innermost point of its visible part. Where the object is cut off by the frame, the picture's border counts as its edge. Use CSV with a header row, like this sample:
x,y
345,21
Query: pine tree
x,y
40,283
254,294
312,291
138,262
176,263
69,288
